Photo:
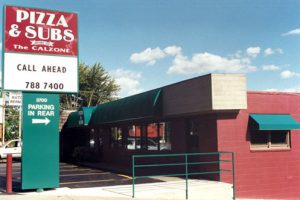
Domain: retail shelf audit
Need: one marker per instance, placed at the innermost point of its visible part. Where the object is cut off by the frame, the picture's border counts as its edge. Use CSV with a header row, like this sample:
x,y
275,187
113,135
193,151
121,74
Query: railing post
x,y
186,177
233,176
133,175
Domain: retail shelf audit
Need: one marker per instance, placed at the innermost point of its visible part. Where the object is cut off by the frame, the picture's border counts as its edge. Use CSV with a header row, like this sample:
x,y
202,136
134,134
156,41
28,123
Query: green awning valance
x,y
87,114
80,118
141,106
274,122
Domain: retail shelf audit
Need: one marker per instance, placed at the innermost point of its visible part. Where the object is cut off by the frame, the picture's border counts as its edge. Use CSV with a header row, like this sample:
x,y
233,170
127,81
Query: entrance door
x,y
192,135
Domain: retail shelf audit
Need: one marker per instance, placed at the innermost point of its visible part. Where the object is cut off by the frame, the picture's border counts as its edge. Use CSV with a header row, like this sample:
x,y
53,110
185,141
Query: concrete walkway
x,y
198,189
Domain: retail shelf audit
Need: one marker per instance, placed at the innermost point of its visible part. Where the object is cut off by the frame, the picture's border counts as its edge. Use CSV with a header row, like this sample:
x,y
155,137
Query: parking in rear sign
x,y
40,154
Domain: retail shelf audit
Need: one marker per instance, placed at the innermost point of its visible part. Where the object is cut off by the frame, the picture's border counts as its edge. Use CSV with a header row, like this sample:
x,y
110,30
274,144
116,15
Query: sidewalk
x,y
198,190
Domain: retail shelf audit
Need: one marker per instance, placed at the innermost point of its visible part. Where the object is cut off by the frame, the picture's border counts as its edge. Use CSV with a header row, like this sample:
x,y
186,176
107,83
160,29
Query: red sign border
x,y
51,10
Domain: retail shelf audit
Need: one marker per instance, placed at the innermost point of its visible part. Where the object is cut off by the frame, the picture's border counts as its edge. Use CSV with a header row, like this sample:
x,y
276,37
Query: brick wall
x,y
262,174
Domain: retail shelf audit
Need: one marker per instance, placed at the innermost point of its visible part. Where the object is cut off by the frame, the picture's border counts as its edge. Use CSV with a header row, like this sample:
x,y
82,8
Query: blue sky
x,y
148,44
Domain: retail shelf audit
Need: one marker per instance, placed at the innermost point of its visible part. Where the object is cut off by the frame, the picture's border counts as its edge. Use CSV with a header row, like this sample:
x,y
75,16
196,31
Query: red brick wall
x,y
262,174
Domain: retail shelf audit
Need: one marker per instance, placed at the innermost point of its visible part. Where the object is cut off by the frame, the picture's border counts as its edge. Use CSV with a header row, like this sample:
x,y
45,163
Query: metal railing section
x,y
185,162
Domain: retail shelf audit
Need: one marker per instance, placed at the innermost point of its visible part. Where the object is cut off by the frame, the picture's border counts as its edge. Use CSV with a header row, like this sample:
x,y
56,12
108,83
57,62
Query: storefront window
x,y
133,140
138,135
165,136
92,138
116,137
151,137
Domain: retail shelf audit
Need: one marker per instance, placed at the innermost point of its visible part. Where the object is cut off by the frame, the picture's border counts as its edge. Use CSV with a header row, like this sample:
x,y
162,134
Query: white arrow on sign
x,y
45,121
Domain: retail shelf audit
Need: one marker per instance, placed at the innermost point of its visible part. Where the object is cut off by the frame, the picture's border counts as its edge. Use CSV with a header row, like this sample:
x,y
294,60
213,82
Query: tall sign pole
x,y
40,58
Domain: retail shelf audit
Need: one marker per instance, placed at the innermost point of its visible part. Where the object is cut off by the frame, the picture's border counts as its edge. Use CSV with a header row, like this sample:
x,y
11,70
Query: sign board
x,y
13,99
40,150
40,50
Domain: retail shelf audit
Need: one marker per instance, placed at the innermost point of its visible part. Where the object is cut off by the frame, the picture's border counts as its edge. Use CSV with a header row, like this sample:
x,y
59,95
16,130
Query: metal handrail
x,y
186,164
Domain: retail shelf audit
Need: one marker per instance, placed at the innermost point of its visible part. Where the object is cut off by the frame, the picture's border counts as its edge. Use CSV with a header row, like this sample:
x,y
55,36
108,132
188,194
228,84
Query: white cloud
x,y
271,90
237,54
292,32
173,50
270,68
279,51
129,81
292,89
250,68
288,74
253,51
148,56
201,63
269,51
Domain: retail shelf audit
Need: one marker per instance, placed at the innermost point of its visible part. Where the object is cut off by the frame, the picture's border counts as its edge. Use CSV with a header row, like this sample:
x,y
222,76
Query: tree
x,y
95,87
11,123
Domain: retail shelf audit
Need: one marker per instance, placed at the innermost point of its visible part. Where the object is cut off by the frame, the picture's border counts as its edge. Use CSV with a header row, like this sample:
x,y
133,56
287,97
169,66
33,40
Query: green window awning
x,y
274,122
80,118
141,106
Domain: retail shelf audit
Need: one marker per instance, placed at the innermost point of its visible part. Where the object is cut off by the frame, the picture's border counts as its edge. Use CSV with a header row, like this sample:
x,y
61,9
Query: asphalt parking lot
x,y
71,176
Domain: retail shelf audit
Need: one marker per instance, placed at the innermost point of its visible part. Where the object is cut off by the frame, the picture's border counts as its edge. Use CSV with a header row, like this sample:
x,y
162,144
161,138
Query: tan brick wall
x,y
228,92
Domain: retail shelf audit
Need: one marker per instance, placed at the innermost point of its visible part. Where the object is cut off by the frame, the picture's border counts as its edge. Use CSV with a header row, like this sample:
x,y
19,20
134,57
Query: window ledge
x,y
274,149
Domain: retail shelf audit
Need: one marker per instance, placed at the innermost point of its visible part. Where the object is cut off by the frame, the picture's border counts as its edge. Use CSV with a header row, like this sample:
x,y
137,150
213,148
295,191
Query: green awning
x,y
86,113
274,122
73,120
80,118
141,106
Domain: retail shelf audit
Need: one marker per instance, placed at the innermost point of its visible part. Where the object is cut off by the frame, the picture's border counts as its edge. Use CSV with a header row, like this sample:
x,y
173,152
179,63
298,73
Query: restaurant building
x,y
211,113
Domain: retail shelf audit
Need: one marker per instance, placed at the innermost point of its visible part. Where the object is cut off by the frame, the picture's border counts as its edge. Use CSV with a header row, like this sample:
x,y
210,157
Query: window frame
x,y
269,145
